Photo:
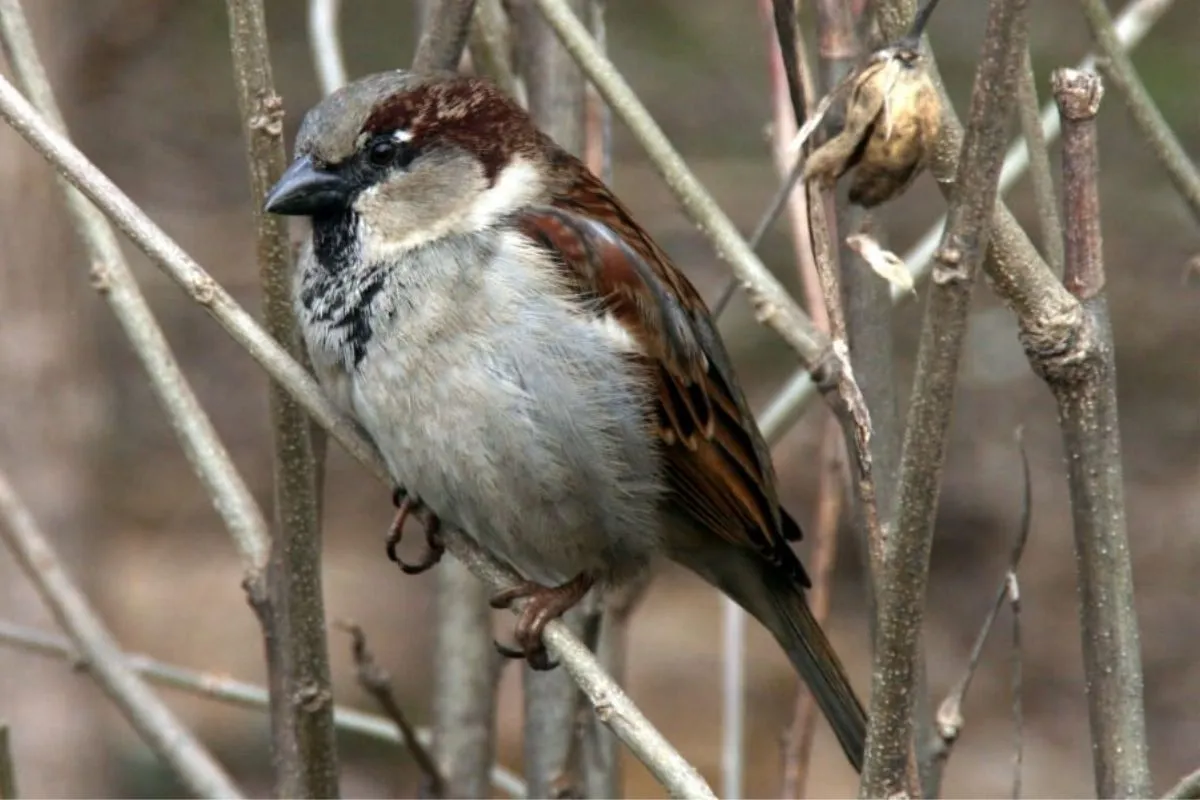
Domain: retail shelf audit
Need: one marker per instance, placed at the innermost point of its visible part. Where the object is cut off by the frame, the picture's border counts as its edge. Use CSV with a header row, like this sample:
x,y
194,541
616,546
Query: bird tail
x,y
778,602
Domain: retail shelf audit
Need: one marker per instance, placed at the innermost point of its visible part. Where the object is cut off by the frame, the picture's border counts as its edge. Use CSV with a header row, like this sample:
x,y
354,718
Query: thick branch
x,y
293,612
1086,393
325,41
902,592
8,769
615,708
169,738
1119,70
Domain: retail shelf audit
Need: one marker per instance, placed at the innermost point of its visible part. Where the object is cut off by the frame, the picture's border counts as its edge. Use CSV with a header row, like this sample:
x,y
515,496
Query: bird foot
x,y
544,603
407,505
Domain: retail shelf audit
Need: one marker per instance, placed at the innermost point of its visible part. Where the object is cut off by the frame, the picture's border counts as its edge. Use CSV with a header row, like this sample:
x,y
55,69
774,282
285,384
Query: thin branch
x,y
902,592
798,739
773,305
790,402
1120,72
325,41
8,769
376,682
1040,173
111,274
733,699
1188,788
224,689
615,708
1087,402
292,612
169,738
949,716
464,684
443,35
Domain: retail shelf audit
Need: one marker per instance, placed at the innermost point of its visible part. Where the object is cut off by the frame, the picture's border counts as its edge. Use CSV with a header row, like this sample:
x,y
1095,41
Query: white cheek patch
x,y
517,185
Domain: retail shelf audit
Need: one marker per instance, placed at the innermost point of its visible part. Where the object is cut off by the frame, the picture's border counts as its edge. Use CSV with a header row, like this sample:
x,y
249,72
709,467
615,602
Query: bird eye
x,y
382,152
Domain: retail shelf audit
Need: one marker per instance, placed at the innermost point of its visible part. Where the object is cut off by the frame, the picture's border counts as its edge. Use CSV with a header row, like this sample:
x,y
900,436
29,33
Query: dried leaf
x,y
893,117
885,263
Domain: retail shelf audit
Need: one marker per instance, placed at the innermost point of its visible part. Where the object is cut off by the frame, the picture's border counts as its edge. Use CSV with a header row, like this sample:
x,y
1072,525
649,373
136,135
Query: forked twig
x,y
376,682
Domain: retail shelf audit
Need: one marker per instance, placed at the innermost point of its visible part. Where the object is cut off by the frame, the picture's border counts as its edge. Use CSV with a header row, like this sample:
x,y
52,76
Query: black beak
x,y
303,190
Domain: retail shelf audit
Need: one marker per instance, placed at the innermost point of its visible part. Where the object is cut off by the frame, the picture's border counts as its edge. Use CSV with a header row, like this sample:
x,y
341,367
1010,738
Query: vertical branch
x,y
443,35
902,591
1040,173
556,94
464,687
169,738
293,612
1087,403
325,41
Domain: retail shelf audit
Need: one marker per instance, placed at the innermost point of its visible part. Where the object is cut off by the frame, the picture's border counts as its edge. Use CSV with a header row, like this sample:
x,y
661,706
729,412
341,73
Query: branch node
x,y
1078,93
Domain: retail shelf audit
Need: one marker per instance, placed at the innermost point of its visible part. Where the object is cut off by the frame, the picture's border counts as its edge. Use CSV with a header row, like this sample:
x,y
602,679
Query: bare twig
x,y
111,274
902,591
1120,72
292,611
1040,174
789,403
376,682
464,685
325,40
733,698
616,710
1087,400
799,737
949,716
8,770
225,689
1188,788
443,35
169,738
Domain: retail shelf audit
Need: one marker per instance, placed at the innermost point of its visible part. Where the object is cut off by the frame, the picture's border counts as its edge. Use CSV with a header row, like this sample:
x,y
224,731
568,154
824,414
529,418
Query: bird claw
x,y
544,603
434,546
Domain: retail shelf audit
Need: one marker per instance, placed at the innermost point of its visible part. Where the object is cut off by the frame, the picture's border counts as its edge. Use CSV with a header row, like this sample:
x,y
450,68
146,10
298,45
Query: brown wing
x,y
718,464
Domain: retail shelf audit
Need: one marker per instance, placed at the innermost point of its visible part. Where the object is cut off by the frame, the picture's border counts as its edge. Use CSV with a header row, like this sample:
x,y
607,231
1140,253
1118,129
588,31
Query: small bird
x,y
530,364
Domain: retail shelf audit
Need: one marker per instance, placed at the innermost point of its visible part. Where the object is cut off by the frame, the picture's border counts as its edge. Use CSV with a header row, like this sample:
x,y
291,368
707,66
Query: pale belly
x,y
540,453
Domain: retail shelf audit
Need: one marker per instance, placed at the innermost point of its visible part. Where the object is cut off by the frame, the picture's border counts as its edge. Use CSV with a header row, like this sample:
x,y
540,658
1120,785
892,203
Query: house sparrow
x,y
531,365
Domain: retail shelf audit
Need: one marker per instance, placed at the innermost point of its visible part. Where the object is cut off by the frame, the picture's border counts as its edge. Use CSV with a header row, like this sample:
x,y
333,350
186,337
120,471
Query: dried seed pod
x,y
893,117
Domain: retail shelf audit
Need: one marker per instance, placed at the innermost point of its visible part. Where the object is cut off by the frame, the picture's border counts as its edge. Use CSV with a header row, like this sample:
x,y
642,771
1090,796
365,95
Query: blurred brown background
x,y
148,93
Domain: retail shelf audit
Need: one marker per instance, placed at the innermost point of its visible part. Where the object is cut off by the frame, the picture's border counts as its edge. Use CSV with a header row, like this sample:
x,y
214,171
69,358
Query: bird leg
x,y
543,603
406,504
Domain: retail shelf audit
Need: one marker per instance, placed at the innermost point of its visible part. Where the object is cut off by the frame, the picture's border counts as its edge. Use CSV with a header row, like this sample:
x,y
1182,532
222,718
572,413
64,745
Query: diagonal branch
x,y
1119,70
292,611
169,738
325,41
887,770
614,708
443,35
